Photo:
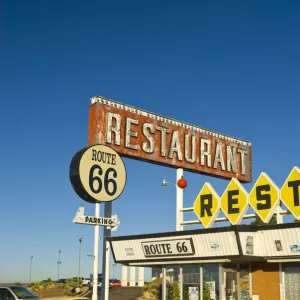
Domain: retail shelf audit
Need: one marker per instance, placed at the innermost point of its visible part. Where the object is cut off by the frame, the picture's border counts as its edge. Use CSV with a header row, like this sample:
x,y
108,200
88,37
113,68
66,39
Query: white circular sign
x,y
98,174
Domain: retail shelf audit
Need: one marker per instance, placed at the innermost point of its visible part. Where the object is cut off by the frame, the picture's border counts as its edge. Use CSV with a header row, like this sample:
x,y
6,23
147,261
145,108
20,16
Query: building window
x,y
191,282
173,285
245,291
211,282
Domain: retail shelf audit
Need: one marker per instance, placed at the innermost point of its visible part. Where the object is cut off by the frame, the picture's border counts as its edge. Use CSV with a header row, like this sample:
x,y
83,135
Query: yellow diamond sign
x,y
206,205
264,197
290,192
234,202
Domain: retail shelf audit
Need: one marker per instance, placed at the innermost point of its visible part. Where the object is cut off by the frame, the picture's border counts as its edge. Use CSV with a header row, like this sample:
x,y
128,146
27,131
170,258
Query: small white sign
x,y
80,218
193,293
176,247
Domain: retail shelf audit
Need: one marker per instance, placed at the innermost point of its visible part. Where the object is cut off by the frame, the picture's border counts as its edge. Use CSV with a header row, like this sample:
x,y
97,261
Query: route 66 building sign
x,y
97,174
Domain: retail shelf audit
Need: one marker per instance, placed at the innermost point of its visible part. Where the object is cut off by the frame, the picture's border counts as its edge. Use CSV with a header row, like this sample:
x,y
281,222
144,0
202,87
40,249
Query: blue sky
x,y
232,67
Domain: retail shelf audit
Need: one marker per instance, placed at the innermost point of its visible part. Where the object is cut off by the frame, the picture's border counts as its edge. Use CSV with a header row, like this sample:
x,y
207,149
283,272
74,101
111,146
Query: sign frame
x,y
141,135
78,169
244,210
190,240
216,213
295,169
112,222
273,209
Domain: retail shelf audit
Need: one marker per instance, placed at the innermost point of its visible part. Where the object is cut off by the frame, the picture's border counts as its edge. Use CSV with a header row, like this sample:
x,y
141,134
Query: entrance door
x,y
231,291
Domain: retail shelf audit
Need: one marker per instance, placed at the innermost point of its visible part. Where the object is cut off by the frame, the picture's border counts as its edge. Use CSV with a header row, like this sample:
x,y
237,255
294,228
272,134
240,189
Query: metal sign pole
x,y
179,219
96,252
106,255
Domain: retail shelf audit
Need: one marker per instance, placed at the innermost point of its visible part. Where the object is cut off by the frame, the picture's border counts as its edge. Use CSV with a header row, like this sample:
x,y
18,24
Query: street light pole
x,y
179,220
80,241
58,264
30,268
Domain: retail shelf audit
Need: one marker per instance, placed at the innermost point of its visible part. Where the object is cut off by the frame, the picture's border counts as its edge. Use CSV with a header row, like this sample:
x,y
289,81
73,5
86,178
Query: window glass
x,y
5,294
244,282
191,281
22,292
173,286
211,281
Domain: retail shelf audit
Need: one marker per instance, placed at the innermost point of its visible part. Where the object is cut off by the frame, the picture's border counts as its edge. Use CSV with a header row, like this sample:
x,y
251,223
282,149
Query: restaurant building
x,y
230,263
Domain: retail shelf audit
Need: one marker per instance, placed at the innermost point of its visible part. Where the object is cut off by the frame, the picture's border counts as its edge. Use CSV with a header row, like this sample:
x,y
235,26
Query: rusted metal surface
x,y
146,136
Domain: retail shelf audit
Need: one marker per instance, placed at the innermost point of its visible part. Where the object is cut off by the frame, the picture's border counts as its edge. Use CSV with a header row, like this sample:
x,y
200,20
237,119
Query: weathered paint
x,y
141,135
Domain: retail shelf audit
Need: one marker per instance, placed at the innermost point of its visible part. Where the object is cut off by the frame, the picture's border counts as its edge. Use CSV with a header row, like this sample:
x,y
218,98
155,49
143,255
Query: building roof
x,y
232,243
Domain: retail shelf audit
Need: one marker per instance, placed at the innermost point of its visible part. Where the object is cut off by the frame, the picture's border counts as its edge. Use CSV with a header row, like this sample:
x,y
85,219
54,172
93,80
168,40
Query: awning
x,y
242,243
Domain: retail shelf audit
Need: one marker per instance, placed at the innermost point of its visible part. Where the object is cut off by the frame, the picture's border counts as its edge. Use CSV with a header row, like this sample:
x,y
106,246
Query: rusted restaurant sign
x,y
138,134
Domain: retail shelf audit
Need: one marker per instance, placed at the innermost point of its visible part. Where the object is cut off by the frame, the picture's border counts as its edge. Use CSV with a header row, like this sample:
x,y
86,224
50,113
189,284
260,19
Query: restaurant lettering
x,y
146,136
264,198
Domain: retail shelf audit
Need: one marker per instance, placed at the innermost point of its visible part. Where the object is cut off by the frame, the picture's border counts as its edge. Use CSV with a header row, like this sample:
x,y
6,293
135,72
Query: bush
x,y
154,289
174,291
207,287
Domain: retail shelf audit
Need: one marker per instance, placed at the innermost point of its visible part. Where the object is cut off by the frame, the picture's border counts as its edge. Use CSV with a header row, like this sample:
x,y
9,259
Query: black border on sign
x,y
166,255
238,228
75,176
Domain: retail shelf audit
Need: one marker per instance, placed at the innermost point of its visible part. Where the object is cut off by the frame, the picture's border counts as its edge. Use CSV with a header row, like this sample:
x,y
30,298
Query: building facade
x,y
230,263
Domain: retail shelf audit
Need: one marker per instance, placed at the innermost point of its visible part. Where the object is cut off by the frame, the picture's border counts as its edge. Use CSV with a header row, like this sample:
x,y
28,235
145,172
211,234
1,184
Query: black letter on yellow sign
x,y
206,205
263,197
232,201
295,185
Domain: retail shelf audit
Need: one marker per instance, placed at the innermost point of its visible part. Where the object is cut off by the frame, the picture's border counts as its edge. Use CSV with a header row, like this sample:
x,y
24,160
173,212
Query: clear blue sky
x,y
230,66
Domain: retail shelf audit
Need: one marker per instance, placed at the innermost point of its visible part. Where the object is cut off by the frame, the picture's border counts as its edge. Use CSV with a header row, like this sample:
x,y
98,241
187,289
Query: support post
x,y
279,216
124,276
141,281
180,283
106,255
179,220
164,283
179,201
96,252
132,276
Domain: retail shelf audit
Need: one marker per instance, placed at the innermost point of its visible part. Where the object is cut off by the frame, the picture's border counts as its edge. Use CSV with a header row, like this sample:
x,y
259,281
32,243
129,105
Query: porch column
x,y
124,276
141,280
132,276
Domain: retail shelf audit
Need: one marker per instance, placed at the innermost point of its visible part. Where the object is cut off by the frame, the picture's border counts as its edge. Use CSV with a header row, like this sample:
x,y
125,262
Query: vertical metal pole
x,y
30,268
180,282
106,255
80,240
179,219
58,264
96,251
164,283
278,215
201,282
179,201
282,281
